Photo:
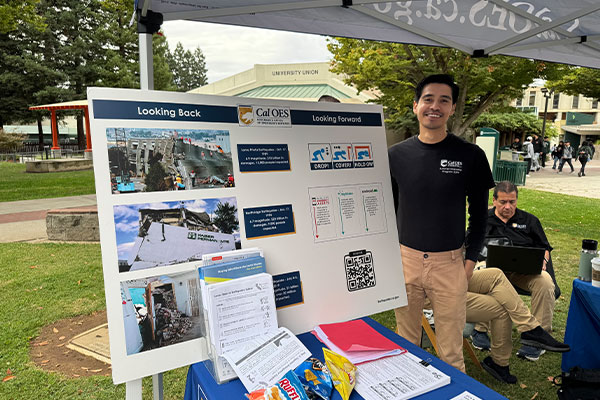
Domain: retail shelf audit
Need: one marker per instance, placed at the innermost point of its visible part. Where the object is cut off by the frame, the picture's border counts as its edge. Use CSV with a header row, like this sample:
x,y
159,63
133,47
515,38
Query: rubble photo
x,y
150,160
161,311
160,234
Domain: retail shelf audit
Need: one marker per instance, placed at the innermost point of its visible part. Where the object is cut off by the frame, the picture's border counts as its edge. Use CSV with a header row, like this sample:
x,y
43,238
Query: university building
x,y
577,118
303,82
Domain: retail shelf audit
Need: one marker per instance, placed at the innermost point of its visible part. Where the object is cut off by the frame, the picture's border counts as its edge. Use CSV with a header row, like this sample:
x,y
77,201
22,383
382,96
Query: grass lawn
x,y
42,283
16,184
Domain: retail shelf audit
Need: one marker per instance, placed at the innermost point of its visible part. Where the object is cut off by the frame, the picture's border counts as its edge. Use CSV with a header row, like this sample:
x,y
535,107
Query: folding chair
x,y
466,344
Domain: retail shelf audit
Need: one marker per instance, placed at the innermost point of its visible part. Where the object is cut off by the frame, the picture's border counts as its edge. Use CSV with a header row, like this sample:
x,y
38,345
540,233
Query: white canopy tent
x,y
564,31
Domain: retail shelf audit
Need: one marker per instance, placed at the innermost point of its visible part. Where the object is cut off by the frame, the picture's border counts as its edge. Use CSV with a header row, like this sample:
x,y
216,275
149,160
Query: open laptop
x,y
524,260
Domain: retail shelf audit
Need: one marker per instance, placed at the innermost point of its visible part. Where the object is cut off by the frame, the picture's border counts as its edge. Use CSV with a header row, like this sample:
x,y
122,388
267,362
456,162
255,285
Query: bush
x,y
11,141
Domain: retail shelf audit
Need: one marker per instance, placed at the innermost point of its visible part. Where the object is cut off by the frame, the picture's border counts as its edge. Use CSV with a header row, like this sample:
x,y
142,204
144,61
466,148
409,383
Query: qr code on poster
x,y
360,273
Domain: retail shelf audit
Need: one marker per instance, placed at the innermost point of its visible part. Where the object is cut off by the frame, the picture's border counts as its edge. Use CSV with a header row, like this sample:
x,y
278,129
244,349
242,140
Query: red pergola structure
x,y
69,105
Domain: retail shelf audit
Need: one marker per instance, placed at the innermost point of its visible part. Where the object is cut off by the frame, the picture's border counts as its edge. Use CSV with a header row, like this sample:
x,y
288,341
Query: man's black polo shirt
x,y
523,229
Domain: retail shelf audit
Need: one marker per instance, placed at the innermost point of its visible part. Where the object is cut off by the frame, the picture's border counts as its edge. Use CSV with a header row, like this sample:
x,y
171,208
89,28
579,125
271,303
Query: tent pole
x,y
146,65
54,127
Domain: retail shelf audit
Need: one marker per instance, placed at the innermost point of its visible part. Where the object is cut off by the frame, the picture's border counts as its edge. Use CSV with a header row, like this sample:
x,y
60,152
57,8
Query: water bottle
x,y
589,250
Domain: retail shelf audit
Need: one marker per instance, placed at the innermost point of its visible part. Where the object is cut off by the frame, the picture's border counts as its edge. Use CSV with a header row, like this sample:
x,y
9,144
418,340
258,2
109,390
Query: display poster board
x,y
180,175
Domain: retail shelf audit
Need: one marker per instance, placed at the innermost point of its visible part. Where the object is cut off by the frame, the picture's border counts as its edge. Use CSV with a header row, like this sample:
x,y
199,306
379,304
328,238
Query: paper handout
x,y
263,361
357,341
400,377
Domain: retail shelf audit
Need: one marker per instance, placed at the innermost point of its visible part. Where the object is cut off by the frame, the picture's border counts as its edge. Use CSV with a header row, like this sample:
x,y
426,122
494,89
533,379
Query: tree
x,y
24,73
120,41
577,80
225,217
155,179
189,69
394,69
16,12
163,77
514,123
10,141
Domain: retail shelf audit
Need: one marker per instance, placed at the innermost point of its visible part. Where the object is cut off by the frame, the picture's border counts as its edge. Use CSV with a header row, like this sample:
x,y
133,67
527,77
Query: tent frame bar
x,y
551,43
538,20
542,28
261,8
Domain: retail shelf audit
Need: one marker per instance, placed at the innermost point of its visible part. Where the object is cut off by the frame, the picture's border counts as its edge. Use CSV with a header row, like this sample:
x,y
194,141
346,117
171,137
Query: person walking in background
x,y
584,154
537,150
545,151
516,148
567,155
557,153
529,153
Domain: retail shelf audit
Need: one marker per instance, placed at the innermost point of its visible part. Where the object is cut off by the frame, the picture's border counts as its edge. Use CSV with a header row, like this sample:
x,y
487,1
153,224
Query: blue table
x,y
583,327
200,384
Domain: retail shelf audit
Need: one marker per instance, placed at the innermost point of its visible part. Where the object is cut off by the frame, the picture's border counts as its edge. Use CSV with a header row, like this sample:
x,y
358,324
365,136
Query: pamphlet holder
x,y
217,365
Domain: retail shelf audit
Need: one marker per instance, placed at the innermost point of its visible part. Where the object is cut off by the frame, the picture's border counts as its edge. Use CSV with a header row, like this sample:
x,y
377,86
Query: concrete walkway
x,y
549,180
25,221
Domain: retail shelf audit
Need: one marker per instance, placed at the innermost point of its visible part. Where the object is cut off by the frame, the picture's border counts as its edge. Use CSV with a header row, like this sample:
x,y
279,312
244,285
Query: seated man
x,y
491,297
522,229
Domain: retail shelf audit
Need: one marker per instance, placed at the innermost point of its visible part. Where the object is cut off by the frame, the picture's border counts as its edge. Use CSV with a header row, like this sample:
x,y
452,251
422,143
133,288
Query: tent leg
x,y
133,390
55,145
146,64
157,386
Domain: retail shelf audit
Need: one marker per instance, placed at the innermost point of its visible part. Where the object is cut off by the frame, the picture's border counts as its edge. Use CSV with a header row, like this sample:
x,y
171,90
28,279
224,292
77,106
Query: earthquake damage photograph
x,y
161,234
151,160
160,311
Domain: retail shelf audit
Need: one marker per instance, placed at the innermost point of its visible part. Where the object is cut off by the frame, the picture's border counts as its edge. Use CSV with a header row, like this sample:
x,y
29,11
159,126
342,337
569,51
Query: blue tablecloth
x,y
200,384
583,327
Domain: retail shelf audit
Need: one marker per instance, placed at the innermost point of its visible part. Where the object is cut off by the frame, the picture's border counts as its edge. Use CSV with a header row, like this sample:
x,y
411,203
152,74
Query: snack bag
x,y
287,388
343,372
315,378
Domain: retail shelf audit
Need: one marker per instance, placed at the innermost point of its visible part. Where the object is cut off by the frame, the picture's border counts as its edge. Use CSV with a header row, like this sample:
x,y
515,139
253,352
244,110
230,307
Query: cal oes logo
x,y
246,115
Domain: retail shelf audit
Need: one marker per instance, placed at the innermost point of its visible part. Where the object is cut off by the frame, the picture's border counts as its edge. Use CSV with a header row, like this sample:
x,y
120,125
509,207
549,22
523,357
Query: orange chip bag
x,y
343,372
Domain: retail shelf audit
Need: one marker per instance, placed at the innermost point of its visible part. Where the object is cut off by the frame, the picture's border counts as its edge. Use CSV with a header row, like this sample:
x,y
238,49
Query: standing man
x,y
516,148
584,154
557,153
433,174
529,153
545,150
537,150
567,155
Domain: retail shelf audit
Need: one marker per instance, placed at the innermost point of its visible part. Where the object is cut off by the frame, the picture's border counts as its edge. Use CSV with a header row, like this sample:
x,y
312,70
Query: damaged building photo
x,y
152,235
161,311
149,160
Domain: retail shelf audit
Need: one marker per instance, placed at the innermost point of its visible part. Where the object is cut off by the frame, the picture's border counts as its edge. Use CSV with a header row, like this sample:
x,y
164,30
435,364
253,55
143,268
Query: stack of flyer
x,y
385,370
238,302
357,341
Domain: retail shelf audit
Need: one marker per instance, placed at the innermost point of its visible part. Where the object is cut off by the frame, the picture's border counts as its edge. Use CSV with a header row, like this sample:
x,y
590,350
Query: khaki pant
x,y
542,295
491,297
441,277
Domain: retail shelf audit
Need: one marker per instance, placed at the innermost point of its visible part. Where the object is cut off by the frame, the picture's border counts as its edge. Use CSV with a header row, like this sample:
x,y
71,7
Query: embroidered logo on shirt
x,y
451,167
519,226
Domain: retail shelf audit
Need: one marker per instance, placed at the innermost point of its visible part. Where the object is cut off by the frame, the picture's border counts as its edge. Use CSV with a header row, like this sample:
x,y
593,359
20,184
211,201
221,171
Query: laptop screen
x,y
523,260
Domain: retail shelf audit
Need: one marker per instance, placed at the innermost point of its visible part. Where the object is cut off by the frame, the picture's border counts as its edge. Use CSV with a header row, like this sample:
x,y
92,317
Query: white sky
x,y
229,50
